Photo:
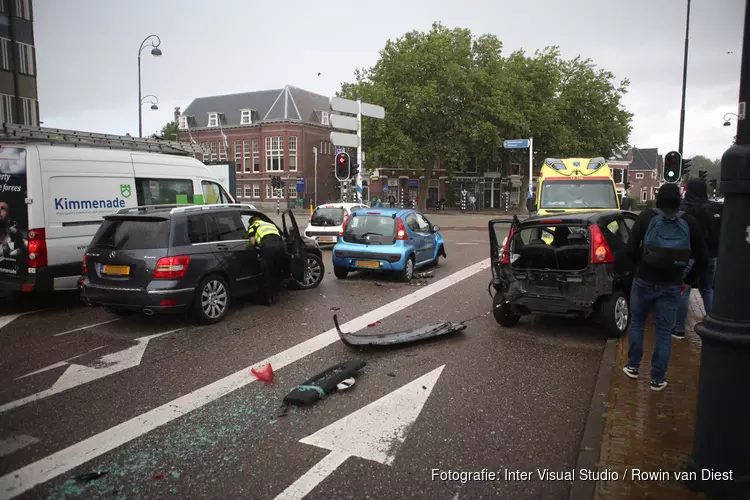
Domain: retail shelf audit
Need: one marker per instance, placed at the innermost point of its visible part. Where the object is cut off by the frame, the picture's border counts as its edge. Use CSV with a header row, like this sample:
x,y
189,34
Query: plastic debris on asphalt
x,y
158,476
264,374
424,274
90,476
402,337
324,383
345,384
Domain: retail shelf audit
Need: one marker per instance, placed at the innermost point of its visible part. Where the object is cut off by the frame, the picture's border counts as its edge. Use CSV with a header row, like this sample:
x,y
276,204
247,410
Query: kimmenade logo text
x,y
67,206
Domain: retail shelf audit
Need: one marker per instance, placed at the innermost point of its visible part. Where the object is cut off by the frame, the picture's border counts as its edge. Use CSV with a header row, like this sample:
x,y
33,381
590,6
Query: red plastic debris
x,y
408,315
172,338
158,476
374,324
264,374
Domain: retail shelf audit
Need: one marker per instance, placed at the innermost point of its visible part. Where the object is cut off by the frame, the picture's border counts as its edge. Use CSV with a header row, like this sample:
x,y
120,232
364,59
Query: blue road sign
x,y
516,143
300,184
340,149
385,189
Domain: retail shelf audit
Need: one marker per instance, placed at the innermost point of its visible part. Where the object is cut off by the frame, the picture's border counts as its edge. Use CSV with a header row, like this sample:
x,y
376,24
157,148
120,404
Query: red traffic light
x,y
342,160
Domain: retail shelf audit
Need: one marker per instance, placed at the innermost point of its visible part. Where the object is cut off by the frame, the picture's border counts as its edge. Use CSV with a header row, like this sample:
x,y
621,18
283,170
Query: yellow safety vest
x,y
261,229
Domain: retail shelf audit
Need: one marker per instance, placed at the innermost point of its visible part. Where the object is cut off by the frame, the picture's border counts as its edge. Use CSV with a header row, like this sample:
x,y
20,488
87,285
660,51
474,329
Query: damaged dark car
x,y
571,265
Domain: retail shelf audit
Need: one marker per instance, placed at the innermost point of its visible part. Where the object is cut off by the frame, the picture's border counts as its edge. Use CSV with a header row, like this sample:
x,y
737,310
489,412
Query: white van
x,y
53,197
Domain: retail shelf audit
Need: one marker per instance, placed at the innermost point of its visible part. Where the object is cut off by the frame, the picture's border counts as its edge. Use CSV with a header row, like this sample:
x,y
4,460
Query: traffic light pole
x,y
684,79
722,430
359,150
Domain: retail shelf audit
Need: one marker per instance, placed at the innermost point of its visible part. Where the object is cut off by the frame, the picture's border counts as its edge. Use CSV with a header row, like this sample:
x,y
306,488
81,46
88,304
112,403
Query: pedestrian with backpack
x,y
708,215
662,242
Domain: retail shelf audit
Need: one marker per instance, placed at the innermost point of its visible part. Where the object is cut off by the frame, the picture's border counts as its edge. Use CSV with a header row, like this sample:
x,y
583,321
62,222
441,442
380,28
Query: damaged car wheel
x,y
313,273
503,313
614,313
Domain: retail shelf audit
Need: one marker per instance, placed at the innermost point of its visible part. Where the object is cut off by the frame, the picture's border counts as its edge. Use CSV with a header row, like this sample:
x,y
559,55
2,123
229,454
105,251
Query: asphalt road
x,y
170,409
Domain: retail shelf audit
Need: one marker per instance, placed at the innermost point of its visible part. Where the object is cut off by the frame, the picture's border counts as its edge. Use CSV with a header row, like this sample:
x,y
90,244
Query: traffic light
x,y
343,165
686,168
353,173
672,167
276,182
703,174
714,184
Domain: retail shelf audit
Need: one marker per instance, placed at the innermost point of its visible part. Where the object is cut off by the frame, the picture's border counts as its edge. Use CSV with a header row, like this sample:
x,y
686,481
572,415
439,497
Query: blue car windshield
x,y
370,229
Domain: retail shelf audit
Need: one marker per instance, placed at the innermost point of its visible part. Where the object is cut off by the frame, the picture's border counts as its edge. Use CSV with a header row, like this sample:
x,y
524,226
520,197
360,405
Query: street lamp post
x,y
154,101
155,51
721,441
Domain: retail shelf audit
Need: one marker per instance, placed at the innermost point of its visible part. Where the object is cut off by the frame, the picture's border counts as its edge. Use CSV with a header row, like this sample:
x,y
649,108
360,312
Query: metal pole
x,y
684,80
359,150
531,165
721,441
140,104
315,154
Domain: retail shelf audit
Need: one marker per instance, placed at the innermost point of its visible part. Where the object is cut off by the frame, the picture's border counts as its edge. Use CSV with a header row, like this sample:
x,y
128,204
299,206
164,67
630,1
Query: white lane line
x,y
59,363
15,443
77,375
465,243
21,480
314,476
9,318
87,326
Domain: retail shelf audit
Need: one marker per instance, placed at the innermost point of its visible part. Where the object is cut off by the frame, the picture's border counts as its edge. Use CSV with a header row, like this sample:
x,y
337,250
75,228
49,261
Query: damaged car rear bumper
x,y
391,338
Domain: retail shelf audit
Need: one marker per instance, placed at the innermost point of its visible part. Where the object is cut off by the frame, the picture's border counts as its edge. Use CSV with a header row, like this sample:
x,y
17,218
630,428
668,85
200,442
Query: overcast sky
x,y
87,53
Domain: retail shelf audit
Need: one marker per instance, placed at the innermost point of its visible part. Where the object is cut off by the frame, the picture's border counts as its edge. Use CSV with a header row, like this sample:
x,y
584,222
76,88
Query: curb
x,y
590,447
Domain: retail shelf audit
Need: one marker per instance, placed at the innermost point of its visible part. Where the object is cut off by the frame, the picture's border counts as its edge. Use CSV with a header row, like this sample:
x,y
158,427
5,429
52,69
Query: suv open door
x,y
295,246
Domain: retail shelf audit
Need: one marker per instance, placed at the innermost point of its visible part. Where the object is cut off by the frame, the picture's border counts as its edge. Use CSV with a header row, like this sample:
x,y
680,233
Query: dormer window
x,y
213,119
183,123
324,118
246,117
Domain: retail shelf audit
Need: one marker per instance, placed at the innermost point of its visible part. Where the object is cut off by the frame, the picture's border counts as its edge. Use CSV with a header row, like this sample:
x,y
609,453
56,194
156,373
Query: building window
x,y
213,151
28,110
644,194
5,53
213,119
248,192
6,105
183,123
292,190
256,157
246,154
23,9
256,190
653,176
246,117
222,151
26,58
271,192
292,153
515,169
238,156
324,118
274,154
639,175
238,192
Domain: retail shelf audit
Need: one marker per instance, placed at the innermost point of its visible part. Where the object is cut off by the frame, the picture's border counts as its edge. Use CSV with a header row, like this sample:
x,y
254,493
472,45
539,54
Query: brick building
x,y
644,174
18,85
268,133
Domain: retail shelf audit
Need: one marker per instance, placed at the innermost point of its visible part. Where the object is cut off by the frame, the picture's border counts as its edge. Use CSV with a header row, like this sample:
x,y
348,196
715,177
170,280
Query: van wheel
x,y
407,272
340,272
614,313
212,299
502,312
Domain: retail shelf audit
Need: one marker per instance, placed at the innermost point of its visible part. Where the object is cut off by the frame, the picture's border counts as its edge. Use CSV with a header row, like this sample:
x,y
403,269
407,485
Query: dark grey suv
x,y
171,259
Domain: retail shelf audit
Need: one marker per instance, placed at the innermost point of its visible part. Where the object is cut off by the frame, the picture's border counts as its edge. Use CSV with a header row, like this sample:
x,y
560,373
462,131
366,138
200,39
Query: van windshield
x,y
578,194
327,216
132,235
370,229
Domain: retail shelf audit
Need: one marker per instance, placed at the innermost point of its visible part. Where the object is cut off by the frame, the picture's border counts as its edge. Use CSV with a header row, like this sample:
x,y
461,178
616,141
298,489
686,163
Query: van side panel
x,y
81,185
15,162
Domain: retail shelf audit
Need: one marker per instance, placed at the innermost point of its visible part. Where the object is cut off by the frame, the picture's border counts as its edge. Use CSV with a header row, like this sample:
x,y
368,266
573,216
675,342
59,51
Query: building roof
x,y
646,159
288,104
619,156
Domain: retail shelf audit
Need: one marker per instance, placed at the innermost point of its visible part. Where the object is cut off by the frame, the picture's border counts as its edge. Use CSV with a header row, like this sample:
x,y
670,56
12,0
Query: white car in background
x,y
327,221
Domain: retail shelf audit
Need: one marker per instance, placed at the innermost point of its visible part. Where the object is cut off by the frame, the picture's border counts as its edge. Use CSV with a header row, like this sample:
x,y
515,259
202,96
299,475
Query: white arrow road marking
x,y
16,482
77,375
59,363
15,443
87,327
9,318
375,432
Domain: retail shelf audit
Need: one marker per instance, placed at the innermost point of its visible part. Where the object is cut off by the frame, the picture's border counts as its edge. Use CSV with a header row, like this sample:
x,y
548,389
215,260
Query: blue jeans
x,y
664,300
706,287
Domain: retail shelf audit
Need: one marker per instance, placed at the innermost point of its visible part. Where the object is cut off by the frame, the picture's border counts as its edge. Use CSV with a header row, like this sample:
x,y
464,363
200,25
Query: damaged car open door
x,y
295,246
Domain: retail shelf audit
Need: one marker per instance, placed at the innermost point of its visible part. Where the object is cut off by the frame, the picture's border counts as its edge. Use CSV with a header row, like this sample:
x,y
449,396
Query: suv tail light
x,y
505,259
85,267
343,226
400,230
37,248
601,253
171,267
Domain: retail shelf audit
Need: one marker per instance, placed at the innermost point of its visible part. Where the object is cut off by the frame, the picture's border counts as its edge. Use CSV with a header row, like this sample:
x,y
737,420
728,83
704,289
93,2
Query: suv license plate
x,y
368,264
115,270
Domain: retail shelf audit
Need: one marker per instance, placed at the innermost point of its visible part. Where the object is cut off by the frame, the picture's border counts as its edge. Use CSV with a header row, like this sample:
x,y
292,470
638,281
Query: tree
x,y
169,131
712,168
451,98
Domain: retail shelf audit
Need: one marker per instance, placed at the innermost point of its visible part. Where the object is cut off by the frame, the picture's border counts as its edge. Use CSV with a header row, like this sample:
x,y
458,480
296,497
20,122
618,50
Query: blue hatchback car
x,y
387,239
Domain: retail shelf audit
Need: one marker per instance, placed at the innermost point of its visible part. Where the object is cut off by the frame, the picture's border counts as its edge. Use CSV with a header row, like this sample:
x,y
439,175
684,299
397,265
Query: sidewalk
x,y
649,430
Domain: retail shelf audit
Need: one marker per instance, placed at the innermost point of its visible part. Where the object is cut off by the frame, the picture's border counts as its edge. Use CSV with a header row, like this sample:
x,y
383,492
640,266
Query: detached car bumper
x,y
381,261
168,298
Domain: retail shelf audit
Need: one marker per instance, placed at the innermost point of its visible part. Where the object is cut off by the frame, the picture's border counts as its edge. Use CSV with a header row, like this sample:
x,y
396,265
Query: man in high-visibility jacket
x,y
265,236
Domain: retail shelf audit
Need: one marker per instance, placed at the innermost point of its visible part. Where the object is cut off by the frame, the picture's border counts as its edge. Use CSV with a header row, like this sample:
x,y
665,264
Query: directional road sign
x,y
516,143
344,122
346,140
351,107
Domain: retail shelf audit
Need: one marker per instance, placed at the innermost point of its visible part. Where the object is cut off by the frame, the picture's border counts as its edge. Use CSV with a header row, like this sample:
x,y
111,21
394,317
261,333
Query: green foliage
x,y
169,131
451,97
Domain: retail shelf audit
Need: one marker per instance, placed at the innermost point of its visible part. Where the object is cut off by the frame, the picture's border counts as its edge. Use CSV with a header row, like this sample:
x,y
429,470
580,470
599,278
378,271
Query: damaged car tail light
x,y
506,248
400,230
601,253
343,226
171,267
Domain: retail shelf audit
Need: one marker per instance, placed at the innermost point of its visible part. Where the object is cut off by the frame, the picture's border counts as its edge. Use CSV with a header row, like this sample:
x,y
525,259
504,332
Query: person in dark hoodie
x,y
708,215
662,243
